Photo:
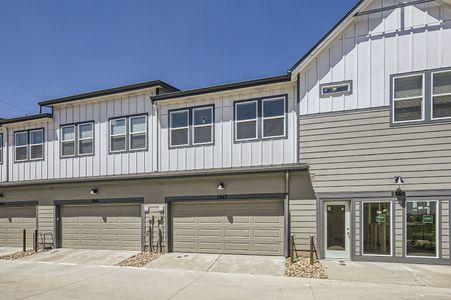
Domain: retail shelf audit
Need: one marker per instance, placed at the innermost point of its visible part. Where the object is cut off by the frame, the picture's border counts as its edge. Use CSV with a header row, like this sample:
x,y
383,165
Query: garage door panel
x,y
13,220
101,226
239,227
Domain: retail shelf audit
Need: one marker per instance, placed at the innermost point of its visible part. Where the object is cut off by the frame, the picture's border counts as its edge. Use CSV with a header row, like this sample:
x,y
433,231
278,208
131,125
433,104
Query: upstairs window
x,y
191,126
29,145
408,98
335,89
77,139
1,148
260,119
441,95
128,134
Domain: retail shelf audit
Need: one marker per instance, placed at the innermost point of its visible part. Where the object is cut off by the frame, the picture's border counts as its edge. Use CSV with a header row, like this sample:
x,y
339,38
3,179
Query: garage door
x,y
13,219
104,226
234,227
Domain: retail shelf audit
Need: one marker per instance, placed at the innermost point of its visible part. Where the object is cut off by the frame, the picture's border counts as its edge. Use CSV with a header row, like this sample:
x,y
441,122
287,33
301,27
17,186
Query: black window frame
x,y
127,134
427,104
1,148
76,139
335,94
260,119
28,146
190,128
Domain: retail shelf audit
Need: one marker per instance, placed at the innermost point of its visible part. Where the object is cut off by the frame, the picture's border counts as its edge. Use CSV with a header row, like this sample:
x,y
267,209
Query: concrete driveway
x,y
245,264
81,256
8,250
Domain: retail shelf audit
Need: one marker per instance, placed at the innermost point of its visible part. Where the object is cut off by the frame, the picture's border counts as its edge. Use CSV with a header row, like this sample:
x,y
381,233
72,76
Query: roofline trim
x,y
223,87
26,118
111,91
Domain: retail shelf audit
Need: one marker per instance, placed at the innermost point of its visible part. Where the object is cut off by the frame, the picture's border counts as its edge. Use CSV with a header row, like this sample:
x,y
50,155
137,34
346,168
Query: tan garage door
x,y
104,226
13,219
234,227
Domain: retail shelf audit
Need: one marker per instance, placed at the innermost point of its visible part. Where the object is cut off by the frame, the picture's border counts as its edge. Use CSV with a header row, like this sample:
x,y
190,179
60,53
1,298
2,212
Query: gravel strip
x,y
17,255
139,260
302,268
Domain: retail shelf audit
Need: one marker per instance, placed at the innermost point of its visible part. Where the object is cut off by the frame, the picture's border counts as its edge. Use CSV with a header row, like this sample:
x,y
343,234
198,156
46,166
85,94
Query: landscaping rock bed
x,y
139,260
302,268
17,255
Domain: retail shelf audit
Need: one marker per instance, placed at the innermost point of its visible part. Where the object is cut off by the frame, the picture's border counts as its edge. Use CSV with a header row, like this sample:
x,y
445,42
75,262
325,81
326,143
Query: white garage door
x,y
234,227
104,226
13,219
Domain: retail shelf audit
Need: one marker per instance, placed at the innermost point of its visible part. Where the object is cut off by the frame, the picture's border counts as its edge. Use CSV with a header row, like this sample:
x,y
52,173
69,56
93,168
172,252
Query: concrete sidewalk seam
x,y
211,266
187,286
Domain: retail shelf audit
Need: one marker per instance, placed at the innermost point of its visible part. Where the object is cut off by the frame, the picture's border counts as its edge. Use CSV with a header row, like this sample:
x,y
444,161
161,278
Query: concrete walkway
x,y
245,264
9,250
81,256
33,280
393,273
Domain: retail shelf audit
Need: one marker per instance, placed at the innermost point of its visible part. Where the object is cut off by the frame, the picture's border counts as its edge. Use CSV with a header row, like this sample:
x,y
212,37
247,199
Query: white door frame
x,y
338,254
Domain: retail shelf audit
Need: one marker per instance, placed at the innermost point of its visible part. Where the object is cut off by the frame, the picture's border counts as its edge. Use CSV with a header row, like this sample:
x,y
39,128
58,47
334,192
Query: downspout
x,y
287,251
7,160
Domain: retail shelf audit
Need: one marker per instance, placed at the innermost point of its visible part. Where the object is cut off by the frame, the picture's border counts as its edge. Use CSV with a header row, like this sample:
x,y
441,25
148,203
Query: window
x,y
273,117
128,134
408,98
246,118
441,95
77,139
421,227
197,120
29,145
263,118
377,228
1,148
336,89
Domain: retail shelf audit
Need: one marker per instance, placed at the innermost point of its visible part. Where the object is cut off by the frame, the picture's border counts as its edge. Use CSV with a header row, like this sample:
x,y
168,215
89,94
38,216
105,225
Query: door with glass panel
x,y
337,230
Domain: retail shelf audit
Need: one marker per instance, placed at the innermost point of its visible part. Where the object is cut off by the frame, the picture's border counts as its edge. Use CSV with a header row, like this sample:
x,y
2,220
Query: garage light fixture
x,y
94,192
221,187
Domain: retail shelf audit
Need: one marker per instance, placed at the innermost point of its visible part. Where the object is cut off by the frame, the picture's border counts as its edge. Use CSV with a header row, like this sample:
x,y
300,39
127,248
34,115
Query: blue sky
x,y
51,49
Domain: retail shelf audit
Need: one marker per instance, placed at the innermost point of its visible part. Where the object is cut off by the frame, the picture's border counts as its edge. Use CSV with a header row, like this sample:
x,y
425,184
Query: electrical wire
x,y
15,107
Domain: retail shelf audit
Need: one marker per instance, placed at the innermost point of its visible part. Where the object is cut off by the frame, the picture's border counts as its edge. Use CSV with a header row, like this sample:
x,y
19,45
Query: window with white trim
x,y
68,141
85,139
179,128
28,145
408,98
1,148
441,95
377,228
202,125
273,116
128,134
246,120
422,228
77,139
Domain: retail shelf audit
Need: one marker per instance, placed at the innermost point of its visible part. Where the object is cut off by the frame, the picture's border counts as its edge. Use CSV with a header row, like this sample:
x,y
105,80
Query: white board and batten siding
x,y
225,153
373,47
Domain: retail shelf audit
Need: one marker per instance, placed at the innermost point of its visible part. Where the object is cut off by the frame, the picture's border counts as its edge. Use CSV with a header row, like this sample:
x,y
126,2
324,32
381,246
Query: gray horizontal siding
x,y
303,217
359,151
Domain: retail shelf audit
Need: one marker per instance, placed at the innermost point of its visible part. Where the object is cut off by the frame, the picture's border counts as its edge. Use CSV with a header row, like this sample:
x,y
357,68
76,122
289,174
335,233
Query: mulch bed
x,y
302,268
139,260
17,255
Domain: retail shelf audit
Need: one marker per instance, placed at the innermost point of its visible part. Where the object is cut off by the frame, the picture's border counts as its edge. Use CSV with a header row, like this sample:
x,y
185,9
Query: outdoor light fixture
x,y
399,180
399,193
94,191
221,187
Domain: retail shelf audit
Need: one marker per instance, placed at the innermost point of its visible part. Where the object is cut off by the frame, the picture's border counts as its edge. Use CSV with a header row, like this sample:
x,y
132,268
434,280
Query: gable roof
x,y
116,90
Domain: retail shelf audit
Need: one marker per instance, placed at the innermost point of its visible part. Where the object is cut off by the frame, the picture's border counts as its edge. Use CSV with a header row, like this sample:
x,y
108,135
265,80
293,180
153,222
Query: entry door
x,y
337,230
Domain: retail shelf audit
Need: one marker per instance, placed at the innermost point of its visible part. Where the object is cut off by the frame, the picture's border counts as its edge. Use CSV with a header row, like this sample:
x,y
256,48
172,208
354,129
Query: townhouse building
x,y
352,145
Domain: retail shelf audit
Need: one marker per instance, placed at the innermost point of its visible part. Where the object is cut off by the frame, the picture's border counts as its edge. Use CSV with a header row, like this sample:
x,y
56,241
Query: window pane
x,y
22,153
85,131
246,111
273,127
335,89
179,137
68,148
118,127
85,147
179,119
336,224
408,87
442,83
376,228
442,106
202,116
118,143
68,133
408,110
202,135
421,228
138,141
36,152
36,137
246,130
273,108
138,124
21,138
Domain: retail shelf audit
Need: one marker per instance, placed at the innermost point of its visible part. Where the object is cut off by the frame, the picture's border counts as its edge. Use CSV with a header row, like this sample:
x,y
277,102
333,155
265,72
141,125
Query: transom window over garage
x,y
260,118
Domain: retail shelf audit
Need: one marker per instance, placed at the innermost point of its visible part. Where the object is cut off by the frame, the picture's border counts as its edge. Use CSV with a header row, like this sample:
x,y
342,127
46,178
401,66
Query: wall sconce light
x,y
398,180
94,191
221,187
399,193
